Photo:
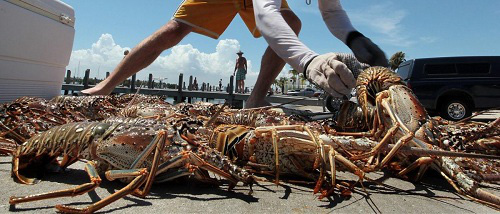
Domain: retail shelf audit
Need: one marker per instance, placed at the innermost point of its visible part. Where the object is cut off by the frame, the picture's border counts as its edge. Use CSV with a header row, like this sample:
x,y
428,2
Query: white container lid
x,y
54,9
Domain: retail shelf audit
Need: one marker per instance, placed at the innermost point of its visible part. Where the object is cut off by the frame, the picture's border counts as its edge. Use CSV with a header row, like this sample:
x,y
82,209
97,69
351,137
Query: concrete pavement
x,y
432,195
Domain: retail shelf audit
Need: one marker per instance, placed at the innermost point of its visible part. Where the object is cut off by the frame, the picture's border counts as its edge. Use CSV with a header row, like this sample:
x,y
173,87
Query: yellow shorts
x,y
211,17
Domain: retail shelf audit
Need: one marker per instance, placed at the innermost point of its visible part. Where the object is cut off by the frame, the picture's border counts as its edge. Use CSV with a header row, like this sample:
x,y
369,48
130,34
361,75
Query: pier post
x,y
86,79
179,89
68,80
190,86
132,84
231,95
231,85
150,81
107,74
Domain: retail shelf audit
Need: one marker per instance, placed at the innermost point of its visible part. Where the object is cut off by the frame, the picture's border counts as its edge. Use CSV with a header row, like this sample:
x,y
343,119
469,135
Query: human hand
x,y
332,75
368,52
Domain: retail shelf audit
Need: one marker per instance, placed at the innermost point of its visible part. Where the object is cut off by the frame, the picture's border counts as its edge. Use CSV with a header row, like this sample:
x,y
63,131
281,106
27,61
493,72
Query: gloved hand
x,y
368,52
332,75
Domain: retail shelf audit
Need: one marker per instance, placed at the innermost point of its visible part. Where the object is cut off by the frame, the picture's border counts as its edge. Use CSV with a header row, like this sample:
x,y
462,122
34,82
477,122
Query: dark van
x,y
454,86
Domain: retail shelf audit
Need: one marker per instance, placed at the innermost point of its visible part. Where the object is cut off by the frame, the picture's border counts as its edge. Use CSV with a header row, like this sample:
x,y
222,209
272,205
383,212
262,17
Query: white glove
x,y
332,75
368,52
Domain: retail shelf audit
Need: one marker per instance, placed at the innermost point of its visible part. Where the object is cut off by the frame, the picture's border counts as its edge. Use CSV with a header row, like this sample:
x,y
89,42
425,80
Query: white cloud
x,y
105,54
385,20
428,39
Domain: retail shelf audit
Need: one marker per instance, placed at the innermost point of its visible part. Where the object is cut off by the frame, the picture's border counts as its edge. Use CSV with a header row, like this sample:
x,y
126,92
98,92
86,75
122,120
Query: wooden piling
x,y
68,80
86,79
179,89
150,81
132,84
190,86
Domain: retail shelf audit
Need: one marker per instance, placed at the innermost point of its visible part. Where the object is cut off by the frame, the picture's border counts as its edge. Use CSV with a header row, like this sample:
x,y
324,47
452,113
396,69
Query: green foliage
x,y
396,60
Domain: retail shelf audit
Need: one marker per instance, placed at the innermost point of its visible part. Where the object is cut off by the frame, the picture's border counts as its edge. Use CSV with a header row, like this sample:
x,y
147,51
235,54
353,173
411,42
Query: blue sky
x,y
419,28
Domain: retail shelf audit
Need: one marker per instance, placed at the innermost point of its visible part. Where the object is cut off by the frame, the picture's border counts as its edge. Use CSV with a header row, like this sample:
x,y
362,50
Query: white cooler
x,y
36,39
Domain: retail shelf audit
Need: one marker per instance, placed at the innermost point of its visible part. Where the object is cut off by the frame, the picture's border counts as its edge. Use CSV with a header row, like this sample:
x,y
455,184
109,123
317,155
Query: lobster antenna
x,y
212,119
134,98
475,114
421,151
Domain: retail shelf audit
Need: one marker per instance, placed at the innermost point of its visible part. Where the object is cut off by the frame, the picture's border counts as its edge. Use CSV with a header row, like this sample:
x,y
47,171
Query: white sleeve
x,y
279,35
336,18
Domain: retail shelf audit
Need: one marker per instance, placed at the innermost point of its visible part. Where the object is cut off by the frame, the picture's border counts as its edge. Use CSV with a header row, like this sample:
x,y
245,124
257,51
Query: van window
x,y
404,71
440,69
473,68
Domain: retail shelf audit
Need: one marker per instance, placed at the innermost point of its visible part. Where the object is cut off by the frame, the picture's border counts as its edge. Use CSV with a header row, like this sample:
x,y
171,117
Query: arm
x,y
336,19
325,71
340,26
279,35
246,64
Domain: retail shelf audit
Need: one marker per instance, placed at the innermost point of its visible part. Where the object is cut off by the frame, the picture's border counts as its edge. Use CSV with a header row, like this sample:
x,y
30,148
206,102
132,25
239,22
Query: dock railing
x,y
179,94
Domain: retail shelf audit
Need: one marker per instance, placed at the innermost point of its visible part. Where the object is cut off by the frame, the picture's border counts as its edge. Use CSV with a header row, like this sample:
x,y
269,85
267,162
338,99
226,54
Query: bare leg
x,y
142,55
271,66
242,86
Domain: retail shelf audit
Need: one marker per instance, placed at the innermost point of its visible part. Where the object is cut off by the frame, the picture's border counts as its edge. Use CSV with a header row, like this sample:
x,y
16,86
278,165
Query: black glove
x,y
365,50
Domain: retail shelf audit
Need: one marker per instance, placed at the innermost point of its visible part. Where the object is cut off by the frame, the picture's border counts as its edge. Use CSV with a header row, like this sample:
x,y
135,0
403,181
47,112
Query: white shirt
x,y
283,40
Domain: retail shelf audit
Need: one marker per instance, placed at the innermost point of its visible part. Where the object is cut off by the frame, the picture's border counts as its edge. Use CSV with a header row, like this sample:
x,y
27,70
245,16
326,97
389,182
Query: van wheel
x,y
333,103
455,109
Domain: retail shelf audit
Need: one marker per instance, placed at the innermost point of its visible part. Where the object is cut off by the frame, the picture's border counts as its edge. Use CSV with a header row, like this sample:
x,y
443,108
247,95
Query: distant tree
x,y
293,79
396,60
302,79
294,74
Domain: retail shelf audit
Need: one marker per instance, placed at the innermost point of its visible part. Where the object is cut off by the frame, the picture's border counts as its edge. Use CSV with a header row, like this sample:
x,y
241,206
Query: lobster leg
x,y
401,142
158,143
141,177
173,175
419,162
350,166
198,161
95,180
383,143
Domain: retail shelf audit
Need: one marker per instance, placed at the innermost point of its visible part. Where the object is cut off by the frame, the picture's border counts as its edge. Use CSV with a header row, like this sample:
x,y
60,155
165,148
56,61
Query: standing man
x,y
220,85
241,70
272,19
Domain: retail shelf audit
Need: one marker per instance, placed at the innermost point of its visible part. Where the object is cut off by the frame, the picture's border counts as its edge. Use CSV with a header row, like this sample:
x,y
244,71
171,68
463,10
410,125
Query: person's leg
x,y
242,86
271,66
239,86
142,55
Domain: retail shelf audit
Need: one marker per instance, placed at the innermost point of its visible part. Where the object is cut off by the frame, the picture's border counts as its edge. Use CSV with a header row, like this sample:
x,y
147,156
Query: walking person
x,y
276,22
241,71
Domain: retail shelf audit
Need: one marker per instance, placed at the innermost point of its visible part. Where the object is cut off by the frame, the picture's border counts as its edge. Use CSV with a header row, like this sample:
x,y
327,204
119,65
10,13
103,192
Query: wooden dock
x,y
185,95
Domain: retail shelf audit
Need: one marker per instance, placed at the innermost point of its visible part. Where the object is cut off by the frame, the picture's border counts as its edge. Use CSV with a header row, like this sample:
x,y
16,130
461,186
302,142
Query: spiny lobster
x,y
129,151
